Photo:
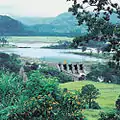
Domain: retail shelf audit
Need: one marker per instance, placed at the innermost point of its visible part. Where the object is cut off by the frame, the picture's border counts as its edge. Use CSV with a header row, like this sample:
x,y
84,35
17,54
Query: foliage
x,y
84,48
90,93
104,73
11,87
3,41
99,24
118,104
60,45
106,100
39,84
8,62
47,107
50,71
37,98
109,116
113,115
107,6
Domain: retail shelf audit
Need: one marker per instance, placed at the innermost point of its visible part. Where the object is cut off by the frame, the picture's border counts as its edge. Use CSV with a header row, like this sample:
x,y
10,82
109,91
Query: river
x,y
51,55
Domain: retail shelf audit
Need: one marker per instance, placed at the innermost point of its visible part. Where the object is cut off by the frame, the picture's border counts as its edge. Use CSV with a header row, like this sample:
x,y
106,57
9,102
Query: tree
x,y
89,93
93,19
108,6
3,41
118,104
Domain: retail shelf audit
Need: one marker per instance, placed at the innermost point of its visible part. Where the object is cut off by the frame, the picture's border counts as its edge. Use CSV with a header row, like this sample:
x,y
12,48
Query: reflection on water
x,y
52,55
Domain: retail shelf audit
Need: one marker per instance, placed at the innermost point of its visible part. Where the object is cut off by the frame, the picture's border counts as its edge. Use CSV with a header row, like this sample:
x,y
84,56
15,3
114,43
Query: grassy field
x,y
34,39
109,94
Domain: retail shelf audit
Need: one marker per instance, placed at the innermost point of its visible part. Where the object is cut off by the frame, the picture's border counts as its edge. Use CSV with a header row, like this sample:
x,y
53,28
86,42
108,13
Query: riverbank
x,y
38,39
8,46
96,55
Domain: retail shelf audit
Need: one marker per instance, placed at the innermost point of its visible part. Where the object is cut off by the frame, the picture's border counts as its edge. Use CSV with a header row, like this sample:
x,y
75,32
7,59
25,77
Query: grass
x,y
109,94
34,39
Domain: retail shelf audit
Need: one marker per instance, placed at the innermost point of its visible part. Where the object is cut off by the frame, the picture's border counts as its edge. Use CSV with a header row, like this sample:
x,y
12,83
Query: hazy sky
x,y
43,8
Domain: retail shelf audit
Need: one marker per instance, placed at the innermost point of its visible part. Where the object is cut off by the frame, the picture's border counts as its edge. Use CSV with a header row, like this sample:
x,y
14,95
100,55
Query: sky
x,y
36,8
41,8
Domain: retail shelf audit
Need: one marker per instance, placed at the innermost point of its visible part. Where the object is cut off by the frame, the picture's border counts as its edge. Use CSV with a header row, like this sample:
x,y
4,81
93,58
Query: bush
x,y
11,87
84,48
10,63
113,115
49,71
38,98
109,116
118,104
104,71
45,107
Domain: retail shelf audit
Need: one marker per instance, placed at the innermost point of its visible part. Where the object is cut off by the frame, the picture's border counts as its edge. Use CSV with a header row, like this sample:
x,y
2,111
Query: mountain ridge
x,y
64,24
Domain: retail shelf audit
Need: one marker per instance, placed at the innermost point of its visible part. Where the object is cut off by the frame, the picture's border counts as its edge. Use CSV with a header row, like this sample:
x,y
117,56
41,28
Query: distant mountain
x,y
64,19
62,25
9,26
34,20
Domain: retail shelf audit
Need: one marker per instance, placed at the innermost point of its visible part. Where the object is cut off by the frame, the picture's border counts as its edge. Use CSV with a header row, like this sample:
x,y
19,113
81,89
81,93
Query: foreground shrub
x,y
38,98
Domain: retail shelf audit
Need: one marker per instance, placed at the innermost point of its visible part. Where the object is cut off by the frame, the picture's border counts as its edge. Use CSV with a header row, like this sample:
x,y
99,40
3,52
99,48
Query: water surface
x,y
52,55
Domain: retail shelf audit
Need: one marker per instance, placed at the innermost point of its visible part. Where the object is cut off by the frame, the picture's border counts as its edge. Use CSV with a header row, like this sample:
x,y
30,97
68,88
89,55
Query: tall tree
x,y
96,15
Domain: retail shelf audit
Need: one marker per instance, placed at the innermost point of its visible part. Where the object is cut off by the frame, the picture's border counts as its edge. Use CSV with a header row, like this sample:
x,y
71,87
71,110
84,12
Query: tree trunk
x,y
89,103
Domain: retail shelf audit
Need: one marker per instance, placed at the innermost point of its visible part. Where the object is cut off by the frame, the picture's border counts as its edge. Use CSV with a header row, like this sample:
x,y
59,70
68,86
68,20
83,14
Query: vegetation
x,y
32,93
90,93
37,98
53,72
108,95
99,25
61,45
118,104
114,115
104,73
10,63
31,39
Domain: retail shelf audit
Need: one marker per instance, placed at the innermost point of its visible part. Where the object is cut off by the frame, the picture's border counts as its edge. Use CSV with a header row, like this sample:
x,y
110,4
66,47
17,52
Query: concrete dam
x,y
75,70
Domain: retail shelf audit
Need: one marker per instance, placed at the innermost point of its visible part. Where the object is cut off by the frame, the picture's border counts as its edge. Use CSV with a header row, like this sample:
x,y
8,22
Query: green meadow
x,y
107,98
